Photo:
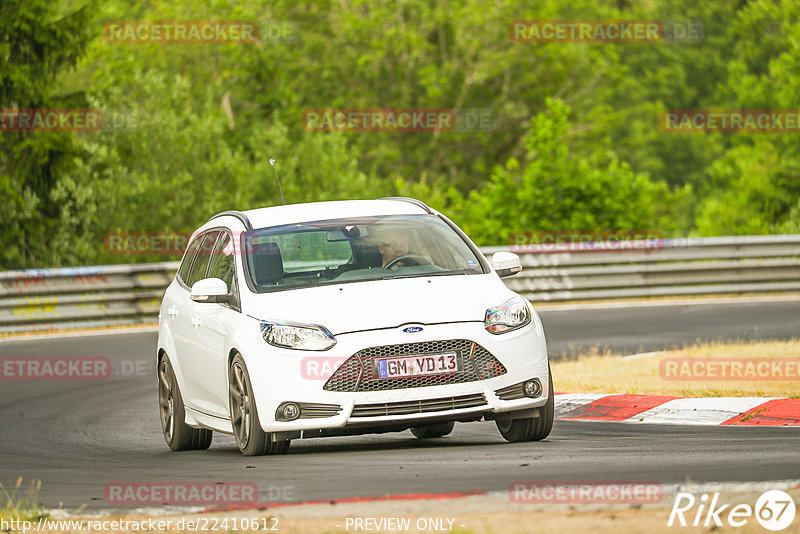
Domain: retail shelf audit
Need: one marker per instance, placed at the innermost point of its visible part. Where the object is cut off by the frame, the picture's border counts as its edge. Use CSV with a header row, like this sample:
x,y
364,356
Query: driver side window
x,y
188,258
198,270
223,265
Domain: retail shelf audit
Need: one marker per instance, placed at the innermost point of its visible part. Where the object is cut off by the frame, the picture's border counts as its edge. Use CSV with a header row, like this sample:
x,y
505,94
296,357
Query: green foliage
x,y
21,504
755,185
577,144
181,188
760,195
553,190
42,205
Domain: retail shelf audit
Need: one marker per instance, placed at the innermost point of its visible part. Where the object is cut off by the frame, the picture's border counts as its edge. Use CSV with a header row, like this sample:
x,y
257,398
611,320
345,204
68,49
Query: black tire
x,y
531,428
433,431
178,435
250,437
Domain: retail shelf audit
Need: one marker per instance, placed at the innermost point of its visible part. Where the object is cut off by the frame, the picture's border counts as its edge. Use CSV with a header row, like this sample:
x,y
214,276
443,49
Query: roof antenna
x,y
272,162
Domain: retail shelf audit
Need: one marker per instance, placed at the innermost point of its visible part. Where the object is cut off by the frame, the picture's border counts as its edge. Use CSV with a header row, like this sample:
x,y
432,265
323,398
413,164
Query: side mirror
x,y
210,290
506,264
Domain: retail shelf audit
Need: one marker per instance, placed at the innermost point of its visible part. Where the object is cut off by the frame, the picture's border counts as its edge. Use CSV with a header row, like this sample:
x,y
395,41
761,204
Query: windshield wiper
x,y
418,275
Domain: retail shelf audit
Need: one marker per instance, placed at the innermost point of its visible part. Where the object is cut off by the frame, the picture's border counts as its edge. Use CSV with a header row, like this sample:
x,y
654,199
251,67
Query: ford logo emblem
x,y
412,329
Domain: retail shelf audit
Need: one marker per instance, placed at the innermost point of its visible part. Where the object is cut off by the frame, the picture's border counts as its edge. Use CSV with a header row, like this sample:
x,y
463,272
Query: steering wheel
x,y
413,259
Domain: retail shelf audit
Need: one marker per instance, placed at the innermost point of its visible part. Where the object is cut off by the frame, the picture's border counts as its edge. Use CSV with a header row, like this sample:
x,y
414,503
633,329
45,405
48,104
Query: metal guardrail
x,y
671,267
46,299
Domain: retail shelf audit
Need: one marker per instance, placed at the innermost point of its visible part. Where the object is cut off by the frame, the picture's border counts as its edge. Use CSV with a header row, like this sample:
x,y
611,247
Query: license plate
x,y
428,364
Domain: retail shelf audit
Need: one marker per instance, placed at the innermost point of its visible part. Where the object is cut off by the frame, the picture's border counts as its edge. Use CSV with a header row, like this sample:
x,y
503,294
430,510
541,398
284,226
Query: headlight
x,y
297,336
509,316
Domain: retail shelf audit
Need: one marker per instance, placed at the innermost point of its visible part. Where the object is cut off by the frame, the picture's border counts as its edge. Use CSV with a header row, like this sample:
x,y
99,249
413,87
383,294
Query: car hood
x,y
378,304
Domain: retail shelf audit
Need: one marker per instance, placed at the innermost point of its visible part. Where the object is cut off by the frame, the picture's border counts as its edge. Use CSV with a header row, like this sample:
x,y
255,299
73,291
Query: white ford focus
x,y
345,318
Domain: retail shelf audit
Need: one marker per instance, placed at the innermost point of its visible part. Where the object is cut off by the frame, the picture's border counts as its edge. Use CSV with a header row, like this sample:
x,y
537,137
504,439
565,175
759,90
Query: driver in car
x,y
392,244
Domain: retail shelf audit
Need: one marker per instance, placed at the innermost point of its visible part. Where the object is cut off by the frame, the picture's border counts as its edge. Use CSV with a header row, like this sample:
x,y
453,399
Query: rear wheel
x,y
250,437
433,431
531,428
178,435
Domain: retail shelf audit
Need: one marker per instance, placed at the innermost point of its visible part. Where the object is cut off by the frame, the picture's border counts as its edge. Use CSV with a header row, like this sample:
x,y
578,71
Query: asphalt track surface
x,y
630,329
76,437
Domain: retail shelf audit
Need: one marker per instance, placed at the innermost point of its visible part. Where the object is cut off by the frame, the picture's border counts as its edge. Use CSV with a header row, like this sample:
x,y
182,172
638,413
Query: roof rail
x,y
238,214
414,201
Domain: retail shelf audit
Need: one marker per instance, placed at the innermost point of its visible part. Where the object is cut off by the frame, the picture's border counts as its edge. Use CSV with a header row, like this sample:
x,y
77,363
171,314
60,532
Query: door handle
x,y
196,322
173,312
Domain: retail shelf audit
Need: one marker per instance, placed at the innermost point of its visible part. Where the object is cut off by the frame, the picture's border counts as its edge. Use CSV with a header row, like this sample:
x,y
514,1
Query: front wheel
x,y
433,431
531,428
178,435
250,437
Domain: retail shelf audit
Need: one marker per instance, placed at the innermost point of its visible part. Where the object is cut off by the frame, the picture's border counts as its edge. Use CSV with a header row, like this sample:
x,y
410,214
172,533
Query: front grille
x,y
360,371
511,392
419,406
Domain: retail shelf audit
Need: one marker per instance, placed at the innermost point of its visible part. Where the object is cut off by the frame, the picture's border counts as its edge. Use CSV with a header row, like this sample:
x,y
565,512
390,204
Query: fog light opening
x,y
532,388
289,410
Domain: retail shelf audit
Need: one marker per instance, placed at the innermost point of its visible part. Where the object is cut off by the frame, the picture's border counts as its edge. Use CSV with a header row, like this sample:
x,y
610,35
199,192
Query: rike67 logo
x,y
774,510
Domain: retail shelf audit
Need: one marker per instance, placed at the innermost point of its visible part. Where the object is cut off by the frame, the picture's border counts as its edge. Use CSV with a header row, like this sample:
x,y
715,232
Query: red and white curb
x,y
739,411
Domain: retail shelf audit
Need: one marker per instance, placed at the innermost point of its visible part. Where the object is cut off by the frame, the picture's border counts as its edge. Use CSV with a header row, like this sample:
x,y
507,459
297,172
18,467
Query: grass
x,y
23,507
611,373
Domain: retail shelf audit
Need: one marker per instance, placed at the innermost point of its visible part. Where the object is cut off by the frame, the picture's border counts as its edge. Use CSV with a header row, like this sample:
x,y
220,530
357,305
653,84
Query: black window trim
x,y
199,238
220,230
203,235
233,290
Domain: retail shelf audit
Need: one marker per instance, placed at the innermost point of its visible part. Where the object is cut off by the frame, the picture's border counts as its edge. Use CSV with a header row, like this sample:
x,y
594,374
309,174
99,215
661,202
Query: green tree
x,y
552,189
754,187
43,207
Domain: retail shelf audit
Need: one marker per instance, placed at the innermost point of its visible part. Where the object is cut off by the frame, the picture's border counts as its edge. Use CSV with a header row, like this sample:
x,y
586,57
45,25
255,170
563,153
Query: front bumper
x,y
282,375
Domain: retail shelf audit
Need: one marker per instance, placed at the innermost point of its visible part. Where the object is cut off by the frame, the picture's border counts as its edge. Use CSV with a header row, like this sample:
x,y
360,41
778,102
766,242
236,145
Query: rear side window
x,y
222,264
198,270
186,264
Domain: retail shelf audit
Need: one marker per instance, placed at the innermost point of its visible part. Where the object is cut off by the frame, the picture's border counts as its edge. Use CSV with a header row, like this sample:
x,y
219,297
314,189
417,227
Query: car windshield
x,y
354,250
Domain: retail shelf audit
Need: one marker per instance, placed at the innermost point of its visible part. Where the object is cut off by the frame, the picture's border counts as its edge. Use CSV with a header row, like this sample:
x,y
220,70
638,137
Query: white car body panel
x,y
384,303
